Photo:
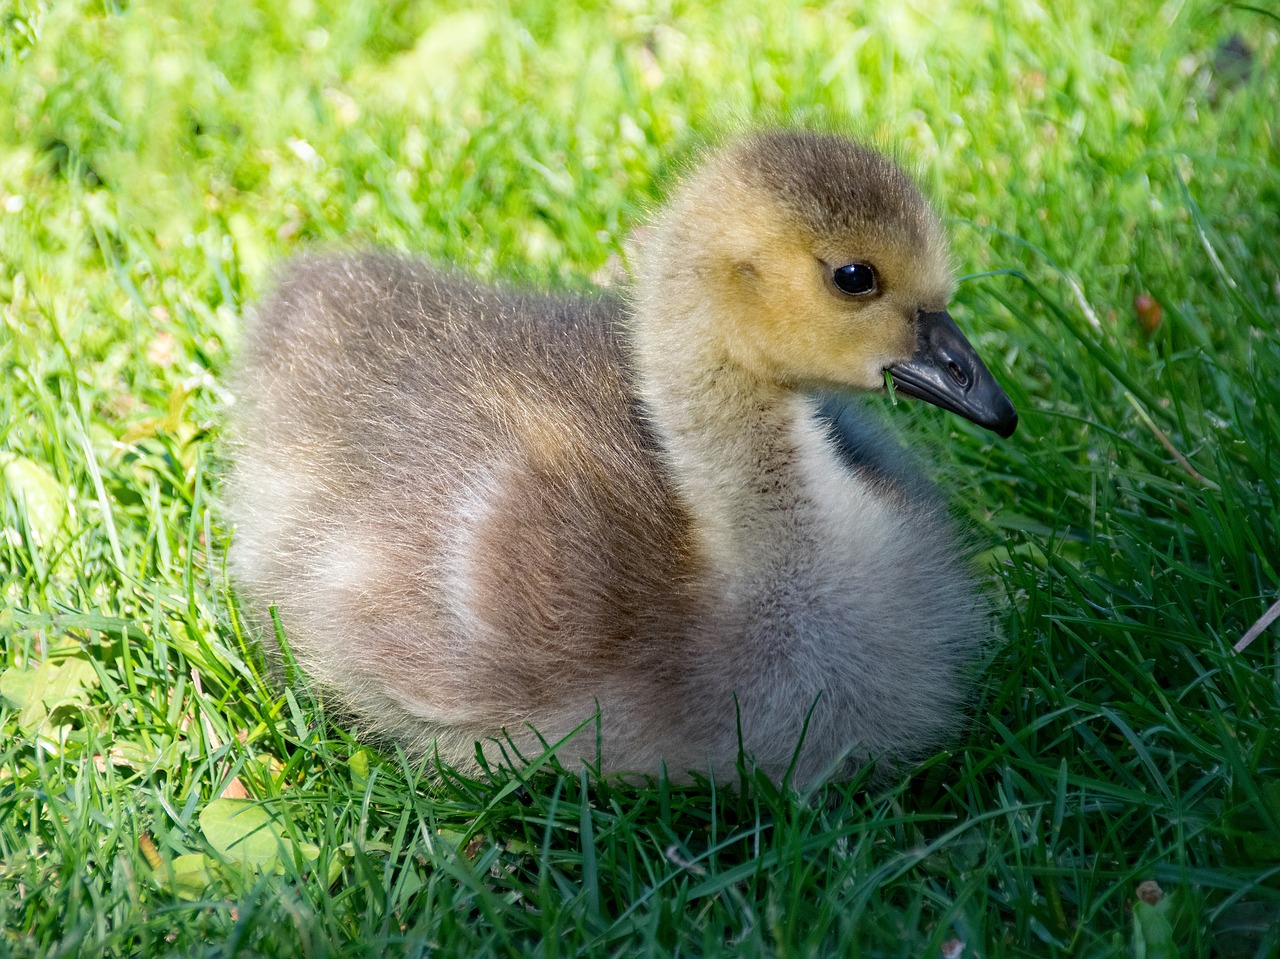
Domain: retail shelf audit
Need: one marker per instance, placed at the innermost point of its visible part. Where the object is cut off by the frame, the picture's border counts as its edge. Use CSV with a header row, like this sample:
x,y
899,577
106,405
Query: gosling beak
x,y
946,372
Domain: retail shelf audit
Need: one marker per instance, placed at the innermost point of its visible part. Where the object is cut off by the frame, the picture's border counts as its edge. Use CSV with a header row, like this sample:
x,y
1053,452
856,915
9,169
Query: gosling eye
x,y
856,279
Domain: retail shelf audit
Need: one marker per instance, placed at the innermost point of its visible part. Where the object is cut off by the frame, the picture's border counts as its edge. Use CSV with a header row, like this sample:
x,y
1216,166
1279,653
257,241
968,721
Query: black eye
x,y
855,279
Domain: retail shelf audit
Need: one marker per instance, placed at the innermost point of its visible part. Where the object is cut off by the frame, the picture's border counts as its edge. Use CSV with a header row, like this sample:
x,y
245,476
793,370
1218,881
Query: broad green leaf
x,y
36,491
243,831
429,70
358,766
187,877
20,687
39,690
1153,930
253,255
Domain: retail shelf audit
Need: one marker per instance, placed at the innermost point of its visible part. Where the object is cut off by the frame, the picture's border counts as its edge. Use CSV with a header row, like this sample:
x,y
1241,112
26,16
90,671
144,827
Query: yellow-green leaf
x,y
1153,930
187,877
358,765
244,832
39,690
430,70
33,488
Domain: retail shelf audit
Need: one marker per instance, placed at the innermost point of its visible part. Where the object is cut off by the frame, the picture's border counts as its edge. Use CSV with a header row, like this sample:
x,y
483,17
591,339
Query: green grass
x,y
156,158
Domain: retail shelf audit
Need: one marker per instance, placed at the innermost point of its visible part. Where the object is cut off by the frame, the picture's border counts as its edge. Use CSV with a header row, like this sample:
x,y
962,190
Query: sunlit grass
x,y
156,159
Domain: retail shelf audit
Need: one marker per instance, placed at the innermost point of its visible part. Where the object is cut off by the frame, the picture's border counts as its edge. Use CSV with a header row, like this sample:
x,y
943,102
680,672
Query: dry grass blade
x,y
1194,473
1257,629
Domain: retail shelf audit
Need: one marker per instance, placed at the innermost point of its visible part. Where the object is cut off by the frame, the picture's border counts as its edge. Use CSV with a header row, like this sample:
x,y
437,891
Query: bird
x,y
648,532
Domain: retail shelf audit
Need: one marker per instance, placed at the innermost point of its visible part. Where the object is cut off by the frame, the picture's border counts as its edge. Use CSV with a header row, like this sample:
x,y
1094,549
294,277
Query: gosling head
x,y
824,267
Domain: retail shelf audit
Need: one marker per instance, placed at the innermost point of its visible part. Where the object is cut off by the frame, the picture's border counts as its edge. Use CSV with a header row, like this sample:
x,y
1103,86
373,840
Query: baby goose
x,y
487,516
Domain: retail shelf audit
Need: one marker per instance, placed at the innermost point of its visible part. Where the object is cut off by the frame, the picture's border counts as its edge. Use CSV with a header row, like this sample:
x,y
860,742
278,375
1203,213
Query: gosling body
x,y
489,518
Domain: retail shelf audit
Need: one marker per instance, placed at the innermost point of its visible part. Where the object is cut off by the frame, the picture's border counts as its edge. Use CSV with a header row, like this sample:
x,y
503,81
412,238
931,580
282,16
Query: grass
x,y
157,157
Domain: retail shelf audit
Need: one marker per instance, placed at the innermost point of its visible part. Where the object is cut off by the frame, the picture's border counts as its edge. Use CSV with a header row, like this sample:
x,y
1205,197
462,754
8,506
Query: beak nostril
x,y
947,372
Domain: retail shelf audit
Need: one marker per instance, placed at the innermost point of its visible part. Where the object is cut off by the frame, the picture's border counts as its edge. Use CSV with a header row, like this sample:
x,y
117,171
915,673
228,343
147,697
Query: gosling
x,y
493,520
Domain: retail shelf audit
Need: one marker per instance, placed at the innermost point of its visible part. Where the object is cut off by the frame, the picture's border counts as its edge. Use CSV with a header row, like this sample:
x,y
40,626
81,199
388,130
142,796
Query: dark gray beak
x,y
947,372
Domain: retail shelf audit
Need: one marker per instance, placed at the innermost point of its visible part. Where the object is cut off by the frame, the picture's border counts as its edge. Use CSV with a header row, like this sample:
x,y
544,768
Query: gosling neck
x,y
737,443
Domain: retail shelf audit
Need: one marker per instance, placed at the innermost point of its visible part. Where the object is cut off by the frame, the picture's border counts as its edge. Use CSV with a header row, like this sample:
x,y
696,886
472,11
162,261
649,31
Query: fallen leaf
x,y
358,766
431,68
244,832
33,489
37,691
234,790
187,877
1149,312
